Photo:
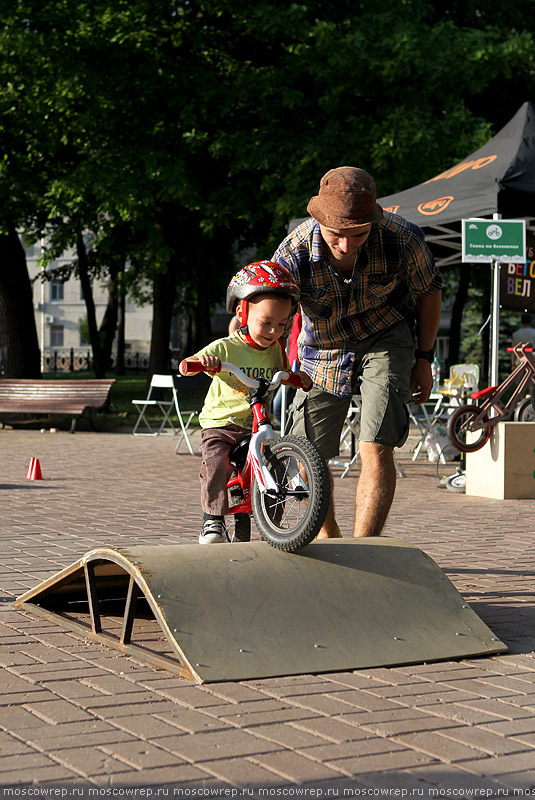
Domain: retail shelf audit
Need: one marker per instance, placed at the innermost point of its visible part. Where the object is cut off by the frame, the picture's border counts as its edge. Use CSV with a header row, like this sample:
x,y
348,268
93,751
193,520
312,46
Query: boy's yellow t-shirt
x,y
227,400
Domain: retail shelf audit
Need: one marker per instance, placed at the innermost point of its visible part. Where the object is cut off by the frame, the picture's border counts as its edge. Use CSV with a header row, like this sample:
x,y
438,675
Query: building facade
x,y
61,315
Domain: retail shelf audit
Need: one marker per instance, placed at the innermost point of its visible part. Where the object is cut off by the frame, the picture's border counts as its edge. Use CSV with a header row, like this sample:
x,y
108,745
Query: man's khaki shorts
x,y
381,376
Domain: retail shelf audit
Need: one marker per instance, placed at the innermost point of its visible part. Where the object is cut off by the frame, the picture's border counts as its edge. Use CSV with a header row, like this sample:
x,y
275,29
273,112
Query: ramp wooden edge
x,y
85,568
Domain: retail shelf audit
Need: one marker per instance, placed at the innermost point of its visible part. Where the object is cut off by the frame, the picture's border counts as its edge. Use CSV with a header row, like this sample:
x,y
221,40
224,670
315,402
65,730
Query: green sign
x,y
494,240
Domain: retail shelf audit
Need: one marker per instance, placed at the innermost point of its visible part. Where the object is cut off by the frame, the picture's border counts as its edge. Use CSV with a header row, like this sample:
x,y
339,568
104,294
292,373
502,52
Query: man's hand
x,y
421,381
306,380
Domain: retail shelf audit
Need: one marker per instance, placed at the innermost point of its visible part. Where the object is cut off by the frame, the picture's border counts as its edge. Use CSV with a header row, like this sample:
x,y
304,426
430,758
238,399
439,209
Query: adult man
x,y
358,268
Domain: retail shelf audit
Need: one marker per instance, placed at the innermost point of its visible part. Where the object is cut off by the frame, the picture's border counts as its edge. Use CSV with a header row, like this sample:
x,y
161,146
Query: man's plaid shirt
x,y
394,263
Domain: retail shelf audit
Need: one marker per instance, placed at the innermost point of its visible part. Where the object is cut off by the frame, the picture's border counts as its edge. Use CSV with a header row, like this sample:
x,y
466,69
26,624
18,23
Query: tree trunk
x,y
202,325
108,326
164,292
121,322
19,346
457,314
85,281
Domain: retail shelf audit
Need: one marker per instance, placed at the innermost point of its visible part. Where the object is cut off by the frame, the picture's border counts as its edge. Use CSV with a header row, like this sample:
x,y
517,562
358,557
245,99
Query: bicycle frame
x,y
262,431
493,394
254,467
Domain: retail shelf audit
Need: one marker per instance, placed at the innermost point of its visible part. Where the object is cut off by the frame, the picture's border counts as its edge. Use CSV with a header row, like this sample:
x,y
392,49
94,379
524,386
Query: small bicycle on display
x,y
469,427
282,481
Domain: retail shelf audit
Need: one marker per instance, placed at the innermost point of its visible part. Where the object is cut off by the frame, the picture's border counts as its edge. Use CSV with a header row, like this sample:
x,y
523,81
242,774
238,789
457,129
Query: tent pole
x,y
495,330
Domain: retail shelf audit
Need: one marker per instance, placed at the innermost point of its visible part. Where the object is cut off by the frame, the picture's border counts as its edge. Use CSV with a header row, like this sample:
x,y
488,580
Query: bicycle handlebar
x,y
189,367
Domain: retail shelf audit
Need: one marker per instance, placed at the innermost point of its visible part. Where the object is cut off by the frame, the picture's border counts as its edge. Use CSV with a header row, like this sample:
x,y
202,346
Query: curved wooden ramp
x,y
242,611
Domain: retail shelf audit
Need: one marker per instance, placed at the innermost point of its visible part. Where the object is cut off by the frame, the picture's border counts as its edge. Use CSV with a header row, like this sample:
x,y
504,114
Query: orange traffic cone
x,y
34,470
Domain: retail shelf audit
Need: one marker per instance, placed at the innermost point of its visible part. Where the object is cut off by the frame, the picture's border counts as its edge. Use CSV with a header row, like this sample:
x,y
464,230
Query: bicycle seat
x,y
238,453
483,393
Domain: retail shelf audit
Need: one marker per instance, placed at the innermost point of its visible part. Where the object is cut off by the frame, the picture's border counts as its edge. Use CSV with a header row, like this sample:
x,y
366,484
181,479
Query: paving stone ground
x,y
75,714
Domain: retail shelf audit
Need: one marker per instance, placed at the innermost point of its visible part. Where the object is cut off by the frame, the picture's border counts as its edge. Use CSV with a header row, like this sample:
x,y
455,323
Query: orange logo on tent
x,y
479,163
392,209
434,206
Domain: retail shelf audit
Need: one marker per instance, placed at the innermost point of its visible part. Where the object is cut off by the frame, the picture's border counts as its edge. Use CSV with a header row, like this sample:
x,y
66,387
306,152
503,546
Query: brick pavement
x,y
75,714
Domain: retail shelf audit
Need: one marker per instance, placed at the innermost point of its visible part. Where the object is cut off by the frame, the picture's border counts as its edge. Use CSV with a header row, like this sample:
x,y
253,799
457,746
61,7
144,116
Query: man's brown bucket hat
x,y
346,199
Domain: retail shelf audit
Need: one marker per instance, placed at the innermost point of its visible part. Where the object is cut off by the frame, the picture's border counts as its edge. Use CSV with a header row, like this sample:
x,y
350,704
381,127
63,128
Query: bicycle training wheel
x,y
459,426
292,517
525,410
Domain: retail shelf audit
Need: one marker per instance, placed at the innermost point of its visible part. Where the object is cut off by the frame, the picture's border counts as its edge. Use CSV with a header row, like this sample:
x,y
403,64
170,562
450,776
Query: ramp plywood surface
x,y
242,611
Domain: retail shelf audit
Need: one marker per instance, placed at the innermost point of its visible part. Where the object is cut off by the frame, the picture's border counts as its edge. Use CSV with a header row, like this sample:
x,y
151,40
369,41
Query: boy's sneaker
x,y
213,532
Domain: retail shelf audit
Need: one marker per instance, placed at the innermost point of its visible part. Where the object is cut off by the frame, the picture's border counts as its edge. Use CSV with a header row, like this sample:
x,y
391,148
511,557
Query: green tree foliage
x,y
200,128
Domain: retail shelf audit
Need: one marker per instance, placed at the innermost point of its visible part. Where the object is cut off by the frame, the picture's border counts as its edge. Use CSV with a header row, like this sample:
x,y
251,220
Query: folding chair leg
x,y
142,419
166,409
350,464
184,435
399,468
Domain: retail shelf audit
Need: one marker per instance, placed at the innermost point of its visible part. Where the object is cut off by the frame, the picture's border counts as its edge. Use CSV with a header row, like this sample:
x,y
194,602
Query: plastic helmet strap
x,y
244,328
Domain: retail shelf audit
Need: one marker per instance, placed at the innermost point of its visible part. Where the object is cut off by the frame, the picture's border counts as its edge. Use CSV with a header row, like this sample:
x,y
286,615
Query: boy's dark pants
x,y
216,469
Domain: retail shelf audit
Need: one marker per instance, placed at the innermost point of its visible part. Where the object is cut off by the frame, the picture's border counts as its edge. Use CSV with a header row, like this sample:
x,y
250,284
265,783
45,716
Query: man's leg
x,y
375,489
384,368
319,417
329,529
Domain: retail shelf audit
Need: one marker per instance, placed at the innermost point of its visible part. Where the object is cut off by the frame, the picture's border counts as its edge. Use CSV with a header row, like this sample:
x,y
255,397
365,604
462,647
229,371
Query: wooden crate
x,y
504,469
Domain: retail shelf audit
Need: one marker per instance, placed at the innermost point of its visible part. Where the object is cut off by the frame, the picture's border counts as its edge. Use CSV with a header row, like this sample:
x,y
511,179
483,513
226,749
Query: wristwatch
x,y
429,355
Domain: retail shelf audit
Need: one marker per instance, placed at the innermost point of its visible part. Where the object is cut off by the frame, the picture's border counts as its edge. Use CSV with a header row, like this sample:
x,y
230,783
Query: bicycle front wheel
x,y
525,410
459,427
293,516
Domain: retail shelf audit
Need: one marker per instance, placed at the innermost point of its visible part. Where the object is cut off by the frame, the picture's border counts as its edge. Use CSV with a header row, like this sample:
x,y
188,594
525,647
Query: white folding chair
x,y
426,421
166,408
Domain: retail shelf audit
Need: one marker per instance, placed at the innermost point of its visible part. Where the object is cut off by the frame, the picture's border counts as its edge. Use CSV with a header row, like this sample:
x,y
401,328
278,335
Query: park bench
x,y
68,397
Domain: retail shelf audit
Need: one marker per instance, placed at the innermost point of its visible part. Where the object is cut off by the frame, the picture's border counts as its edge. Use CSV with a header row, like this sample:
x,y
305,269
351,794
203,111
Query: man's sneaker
x,y
213,531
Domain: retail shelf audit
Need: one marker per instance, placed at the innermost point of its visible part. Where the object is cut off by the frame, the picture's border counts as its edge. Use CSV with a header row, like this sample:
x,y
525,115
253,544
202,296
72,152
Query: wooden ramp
x,y
242,611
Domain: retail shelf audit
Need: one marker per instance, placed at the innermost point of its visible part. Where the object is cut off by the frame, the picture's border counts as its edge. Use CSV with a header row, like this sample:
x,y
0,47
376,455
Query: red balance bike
x,y
470,426
282,481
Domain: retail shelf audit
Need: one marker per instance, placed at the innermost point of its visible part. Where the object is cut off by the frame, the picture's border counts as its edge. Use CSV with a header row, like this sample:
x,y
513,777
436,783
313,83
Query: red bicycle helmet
x,y
260,277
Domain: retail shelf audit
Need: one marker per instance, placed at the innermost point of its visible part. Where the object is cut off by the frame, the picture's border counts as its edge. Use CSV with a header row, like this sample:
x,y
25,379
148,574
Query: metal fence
x,y
81,361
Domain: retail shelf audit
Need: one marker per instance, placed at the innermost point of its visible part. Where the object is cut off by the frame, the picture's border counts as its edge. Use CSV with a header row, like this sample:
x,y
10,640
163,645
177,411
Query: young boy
x,y
262,296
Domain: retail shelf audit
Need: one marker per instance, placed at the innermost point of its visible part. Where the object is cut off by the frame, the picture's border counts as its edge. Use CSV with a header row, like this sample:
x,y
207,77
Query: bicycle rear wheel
x,y
459,427
291,518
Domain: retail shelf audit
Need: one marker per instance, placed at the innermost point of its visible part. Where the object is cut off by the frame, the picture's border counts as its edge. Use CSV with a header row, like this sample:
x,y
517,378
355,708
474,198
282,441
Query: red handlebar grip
x,y
189,366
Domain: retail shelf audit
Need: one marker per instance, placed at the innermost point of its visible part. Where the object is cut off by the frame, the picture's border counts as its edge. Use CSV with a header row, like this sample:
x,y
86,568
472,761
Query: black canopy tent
x,y
499,178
